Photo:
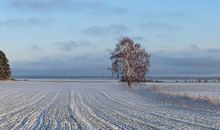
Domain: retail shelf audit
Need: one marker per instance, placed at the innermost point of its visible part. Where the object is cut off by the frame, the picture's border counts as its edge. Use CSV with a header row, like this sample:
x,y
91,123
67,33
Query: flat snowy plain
x,y
106,105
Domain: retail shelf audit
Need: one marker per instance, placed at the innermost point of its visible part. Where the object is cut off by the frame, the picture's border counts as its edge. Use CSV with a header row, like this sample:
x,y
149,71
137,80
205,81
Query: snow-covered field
x,y
206,91
100,105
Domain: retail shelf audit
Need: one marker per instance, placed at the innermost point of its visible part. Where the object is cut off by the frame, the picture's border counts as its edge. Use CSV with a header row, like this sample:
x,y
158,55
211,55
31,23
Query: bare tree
x,y
130,61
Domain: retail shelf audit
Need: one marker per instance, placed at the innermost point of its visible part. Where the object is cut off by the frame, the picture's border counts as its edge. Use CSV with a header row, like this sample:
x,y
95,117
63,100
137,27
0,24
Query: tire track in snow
x,y
123,120
19,117
89,117
58,115
79,106
19,102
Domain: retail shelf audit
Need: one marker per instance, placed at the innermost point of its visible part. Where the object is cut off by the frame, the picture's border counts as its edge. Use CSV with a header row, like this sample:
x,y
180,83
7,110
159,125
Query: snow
x,y
205,91
101,105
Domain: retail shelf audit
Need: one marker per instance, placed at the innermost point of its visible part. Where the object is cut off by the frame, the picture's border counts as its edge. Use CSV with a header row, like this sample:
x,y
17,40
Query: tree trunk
x,y
128,67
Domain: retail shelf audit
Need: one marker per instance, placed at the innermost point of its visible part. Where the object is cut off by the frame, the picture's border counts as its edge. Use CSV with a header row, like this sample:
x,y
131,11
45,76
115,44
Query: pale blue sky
x,y
75,37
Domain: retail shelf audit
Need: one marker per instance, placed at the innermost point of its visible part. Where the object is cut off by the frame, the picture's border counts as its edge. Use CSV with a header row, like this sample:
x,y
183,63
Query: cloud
x,y
36,48
158,26
164,14
39,4
61,65
194,60
214,50
194,47
89,6
196,50
94,30
24,22
138,38
71,45
185,65
116,29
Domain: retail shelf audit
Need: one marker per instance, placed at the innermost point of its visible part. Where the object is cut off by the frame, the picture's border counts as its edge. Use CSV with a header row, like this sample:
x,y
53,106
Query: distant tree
x,y
5,72
130,62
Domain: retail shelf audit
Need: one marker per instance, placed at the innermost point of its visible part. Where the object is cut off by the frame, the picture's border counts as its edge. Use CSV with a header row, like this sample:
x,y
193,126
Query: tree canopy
x,y
5,71
130,61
